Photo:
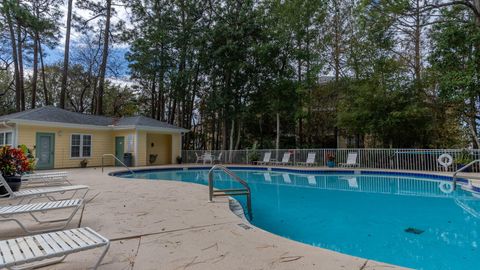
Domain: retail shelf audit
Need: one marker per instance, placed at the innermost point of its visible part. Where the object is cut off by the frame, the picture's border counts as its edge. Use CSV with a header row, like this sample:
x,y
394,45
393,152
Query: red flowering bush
x,y
15,161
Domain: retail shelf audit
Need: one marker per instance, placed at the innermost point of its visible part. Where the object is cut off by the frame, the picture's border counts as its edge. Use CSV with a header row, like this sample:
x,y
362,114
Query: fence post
x,y
246,156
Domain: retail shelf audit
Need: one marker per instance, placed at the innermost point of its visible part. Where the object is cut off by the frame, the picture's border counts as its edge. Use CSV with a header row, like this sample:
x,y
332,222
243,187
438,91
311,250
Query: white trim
x,y
97,127
81,146
16,135
58,124
135,148
4,132
157,129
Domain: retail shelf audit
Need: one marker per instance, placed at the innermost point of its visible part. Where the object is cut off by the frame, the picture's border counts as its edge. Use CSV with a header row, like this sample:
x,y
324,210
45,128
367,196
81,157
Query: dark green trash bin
x,y
128,159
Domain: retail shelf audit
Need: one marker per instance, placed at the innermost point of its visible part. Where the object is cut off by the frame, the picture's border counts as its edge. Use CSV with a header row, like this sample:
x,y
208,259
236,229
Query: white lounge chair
x,y
310,160
207,157
218,158
49,248
46,178
285,159
9,214
351,161
266,159
199,158
47,192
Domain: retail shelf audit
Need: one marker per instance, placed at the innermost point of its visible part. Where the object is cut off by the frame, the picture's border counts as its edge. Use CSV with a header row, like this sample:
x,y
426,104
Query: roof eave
x,y
57,124
96,127
150,128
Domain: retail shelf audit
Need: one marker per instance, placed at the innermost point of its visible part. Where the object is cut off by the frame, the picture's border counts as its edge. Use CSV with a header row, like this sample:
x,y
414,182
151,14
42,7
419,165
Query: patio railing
x,y
396,159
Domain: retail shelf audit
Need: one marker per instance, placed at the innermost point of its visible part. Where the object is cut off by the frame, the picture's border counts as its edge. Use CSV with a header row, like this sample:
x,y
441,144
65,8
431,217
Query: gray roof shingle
x,y
143,121
57,115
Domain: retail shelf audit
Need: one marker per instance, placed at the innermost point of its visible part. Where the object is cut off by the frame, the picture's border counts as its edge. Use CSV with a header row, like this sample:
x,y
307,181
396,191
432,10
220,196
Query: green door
x,y
119,149
45,150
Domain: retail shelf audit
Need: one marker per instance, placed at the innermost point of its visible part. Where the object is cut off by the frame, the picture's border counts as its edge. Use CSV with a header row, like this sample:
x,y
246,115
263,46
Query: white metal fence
x,y
397,159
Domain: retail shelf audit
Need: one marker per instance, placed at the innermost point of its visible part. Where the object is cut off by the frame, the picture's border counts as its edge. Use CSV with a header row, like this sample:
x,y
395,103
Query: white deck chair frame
x,y
9,213
351,161
310,160
46,178
266,159
47,192
285,159
49,248
207,157
199,158
218,159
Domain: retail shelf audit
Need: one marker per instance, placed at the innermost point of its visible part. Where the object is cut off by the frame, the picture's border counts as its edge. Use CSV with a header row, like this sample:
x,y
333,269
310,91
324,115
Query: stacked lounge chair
x,y
50,246
285,160
266,159
351,161
310,160
45,179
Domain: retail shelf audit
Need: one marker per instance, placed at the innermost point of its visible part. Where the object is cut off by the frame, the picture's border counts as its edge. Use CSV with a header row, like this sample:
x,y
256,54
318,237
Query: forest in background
x,y
274,73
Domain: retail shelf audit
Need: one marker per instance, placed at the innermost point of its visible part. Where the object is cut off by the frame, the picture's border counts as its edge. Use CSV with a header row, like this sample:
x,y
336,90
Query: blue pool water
x,y
413,222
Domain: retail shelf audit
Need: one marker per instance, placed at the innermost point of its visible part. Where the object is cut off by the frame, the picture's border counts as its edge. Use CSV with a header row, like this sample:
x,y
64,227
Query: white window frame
x,y
3,142
81,156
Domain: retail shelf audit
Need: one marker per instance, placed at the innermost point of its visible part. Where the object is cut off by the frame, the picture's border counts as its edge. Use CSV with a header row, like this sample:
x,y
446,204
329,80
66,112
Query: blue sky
x,y
116,54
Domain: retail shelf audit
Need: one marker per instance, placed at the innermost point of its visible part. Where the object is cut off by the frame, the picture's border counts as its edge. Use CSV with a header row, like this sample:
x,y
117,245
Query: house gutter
x,y
4,124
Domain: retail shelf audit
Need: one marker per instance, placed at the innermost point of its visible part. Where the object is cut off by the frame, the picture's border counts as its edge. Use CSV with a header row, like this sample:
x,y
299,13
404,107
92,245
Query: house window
x,y
81,146
6,138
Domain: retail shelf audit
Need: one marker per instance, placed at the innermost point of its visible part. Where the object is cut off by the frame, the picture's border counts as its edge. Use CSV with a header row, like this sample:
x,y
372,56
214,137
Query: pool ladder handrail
x,y
121,162
229,192
461,170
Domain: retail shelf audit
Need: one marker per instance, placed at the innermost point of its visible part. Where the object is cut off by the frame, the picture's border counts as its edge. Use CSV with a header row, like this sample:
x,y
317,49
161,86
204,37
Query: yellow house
x,y
63,139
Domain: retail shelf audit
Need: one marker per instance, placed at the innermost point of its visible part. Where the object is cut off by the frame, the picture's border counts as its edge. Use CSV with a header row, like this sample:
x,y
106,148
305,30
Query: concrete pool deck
x,y
171,225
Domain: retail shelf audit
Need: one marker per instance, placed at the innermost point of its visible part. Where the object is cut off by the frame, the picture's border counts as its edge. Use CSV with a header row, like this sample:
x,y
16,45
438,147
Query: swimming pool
x,y
415,221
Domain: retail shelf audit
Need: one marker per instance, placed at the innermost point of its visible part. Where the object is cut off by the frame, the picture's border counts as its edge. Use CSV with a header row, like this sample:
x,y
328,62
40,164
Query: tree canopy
x,y
275,73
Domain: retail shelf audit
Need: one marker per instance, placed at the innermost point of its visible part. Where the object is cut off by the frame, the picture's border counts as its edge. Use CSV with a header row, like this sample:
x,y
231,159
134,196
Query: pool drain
x,y
414,230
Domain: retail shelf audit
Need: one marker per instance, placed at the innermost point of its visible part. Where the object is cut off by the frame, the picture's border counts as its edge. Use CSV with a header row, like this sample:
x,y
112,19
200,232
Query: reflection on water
x,y
418,223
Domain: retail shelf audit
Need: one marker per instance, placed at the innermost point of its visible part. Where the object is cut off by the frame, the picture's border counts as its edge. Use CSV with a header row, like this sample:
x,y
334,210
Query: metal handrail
x,y
121,162
461,170
225,192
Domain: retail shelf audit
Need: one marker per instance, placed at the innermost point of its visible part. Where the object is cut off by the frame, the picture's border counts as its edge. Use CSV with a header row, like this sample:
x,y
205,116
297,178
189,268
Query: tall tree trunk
x,y
44,78
13,44
66,56
20,66
477,7
418,48
239,134
277,140
35,72
103,65
336,53
232,135
173,111
224,131
161,88
153,98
